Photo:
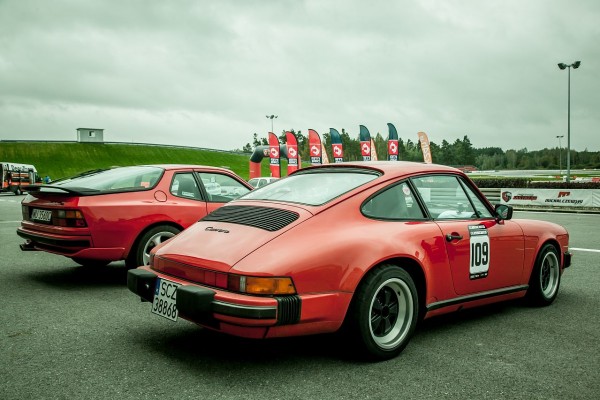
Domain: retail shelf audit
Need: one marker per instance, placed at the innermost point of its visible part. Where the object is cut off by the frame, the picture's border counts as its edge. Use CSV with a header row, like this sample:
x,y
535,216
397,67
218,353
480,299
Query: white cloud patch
x,y
206,73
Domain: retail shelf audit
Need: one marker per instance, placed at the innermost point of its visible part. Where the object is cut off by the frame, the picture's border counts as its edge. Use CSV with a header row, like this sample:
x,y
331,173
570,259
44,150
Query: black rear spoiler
x,y
55,190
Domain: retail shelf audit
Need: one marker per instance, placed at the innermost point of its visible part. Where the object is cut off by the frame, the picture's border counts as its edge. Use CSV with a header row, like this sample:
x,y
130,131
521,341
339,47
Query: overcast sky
x,y
206,73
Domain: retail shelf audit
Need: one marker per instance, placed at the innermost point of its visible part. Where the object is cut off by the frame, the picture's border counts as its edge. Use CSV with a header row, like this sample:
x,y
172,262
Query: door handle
x,y
450,237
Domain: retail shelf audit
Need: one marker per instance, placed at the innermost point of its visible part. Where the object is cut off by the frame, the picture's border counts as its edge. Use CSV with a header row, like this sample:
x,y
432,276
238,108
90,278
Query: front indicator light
x,y
261,285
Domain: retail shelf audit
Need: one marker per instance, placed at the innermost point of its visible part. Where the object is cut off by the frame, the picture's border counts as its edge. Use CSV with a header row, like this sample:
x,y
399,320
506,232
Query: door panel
x,y
483,254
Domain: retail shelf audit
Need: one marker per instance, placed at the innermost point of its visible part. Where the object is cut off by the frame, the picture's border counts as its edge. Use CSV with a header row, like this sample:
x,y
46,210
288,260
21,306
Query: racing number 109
x,y
479,253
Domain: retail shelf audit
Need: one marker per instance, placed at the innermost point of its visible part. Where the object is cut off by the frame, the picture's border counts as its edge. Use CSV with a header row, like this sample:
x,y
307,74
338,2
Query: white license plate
x,y
41,215
165,295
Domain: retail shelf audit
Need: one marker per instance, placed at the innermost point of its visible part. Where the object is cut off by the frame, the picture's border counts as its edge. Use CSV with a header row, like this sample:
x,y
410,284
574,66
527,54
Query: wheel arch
x,y
146,229
413,268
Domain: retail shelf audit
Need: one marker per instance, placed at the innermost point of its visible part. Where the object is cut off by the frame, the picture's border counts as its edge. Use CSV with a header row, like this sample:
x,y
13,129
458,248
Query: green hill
x,y
62,159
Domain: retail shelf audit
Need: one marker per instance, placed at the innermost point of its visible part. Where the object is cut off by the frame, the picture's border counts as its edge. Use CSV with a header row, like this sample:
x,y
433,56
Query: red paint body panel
x,y
329,249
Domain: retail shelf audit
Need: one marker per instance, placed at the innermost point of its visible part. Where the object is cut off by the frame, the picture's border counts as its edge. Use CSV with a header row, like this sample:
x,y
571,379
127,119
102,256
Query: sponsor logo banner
x,y
550,197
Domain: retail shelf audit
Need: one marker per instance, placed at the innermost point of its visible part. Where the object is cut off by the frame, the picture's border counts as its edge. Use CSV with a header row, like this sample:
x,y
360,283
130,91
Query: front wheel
x,y
140,253
545,277
384,312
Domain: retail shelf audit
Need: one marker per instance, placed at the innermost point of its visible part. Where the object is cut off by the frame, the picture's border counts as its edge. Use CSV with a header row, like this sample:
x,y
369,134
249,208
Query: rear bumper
x,y
68,245
198,303
244,315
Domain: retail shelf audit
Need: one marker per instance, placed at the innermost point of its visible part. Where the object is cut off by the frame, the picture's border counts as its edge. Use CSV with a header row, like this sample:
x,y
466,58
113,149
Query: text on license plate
x,y
41,215
165,296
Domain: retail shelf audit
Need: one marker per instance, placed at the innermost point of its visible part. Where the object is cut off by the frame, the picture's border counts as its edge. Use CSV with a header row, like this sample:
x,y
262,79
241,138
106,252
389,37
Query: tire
x,y
18,191
384,313
86,262
140,252
545,277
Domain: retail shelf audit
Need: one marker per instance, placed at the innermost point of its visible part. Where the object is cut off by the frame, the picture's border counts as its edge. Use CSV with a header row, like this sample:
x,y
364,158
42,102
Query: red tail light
x,y
70,218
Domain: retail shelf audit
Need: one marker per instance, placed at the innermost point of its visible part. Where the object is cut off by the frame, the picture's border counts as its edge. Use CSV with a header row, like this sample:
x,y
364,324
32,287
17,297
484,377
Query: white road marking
x,y
10,222
578,249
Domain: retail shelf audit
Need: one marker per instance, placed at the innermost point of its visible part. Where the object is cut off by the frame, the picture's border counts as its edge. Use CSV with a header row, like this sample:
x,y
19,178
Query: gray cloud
x,y
206,73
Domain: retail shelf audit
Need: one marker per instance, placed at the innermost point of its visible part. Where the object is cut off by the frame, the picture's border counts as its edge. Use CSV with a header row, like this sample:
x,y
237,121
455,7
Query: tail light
x,y
69,218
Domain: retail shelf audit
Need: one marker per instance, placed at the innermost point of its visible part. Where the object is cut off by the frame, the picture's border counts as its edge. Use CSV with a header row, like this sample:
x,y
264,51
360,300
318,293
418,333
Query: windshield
x,y
313,188
114,179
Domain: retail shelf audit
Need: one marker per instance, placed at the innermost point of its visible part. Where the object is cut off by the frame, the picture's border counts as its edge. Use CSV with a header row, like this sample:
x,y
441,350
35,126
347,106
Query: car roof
x,y
182,166
389,168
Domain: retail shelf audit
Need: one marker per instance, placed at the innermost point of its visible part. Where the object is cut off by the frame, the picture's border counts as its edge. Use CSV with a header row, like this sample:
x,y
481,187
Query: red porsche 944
x,y
122,213
370,247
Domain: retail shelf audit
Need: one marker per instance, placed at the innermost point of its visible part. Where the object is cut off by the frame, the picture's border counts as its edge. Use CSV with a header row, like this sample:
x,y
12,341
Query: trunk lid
x,y
224,237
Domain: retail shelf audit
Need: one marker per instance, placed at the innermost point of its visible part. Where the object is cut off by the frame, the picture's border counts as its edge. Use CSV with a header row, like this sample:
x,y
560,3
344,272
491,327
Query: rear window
x,y
314,188
116,179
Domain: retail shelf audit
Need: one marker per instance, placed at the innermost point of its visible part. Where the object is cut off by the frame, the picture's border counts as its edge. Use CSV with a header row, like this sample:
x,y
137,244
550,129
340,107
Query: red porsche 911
x,y
371,247
122,213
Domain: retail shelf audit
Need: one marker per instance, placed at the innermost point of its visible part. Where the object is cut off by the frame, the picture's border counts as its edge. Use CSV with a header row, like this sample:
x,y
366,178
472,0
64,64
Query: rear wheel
x,y
18,191
545,277
140,253
86,262
384,312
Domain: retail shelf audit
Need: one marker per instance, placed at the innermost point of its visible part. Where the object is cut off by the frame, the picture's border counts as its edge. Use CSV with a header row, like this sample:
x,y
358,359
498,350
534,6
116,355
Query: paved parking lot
x,y
73,332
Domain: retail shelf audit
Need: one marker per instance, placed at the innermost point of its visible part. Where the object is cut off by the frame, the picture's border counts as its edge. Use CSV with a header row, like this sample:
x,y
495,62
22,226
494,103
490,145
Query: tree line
x,y
458,153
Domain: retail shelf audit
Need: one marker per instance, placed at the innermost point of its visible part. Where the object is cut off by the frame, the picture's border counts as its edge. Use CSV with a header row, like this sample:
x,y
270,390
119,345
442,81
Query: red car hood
x,y
226,236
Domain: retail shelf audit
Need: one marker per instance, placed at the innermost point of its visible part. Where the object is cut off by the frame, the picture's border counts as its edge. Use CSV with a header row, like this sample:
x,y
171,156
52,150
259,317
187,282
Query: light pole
x,y
575,65
272,117
560,153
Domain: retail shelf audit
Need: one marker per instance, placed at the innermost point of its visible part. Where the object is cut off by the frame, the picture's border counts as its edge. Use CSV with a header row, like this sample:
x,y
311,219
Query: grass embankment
x,y
59,160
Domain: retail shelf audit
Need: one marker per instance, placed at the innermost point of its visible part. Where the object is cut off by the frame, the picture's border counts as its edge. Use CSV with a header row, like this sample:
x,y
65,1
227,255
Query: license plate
x,y
41,215
165,296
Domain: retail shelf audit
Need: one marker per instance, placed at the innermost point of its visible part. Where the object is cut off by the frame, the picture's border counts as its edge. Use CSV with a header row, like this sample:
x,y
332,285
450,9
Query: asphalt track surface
x,y
68,332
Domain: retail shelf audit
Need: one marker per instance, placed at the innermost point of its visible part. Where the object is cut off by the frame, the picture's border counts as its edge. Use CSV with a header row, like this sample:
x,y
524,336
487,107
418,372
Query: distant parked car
x,y
260,182
122,213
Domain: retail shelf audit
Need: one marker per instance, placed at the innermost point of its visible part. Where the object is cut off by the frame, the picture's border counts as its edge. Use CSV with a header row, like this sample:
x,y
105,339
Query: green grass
x,y
59,160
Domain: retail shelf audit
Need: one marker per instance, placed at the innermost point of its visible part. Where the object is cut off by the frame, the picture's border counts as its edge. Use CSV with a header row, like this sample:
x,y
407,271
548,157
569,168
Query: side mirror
x,y
503,211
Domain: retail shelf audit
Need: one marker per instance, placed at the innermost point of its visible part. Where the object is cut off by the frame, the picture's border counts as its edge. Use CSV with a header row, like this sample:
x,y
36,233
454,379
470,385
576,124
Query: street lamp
x,y
560,153
272,117
575,65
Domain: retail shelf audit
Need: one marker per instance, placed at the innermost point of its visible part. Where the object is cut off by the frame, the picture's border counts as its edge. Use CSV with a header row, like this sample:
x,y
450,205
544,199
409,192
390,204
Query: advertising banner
x,y
314,147
392,143
274,155
424,140
373,151
324,156
365,143
549,197
337,146
292,149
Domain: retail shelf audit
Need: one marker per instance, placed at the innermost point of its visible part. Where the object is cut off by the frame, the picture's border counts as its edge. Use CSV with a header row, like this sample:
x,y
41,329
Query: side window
x,y
221,188
184,185
480,208
396,202
444,197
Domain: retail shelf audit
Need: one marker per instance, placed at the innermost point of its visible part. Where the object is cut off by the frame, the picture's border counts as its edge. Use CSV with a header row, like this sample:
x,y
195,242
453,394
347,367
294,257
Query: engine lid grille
x,y
267,218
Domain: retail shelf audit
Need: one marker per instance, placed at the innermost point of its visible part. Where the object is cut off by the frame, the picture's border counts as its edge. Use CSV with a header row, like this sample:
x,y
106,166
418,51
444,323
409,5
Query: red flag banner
x,y
314,147
393,150
337,147
365,143
274,155
292,149
425,147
